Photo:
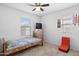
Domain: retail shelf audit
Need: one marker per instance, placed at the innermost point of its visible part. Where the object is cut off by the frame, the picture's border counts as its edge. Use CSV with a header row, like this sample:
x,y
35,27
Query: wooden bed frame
x,y
15,50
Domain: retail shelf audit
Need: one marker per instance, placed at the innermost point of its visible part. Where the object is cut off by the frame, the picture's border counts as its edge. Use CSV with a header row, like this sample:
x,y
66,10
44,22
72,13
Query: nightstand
x,y
38,34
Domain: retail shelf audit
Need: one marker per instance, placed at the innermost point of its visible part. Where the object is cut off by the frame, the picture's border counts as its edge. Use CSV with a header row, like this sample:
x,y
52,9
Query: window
x,y
25,27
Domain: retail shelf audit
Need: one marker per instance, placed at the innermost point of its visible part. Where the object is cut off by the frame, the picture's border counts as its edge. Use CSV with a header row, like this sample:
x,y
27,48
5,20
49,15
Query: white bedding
x,y
19,43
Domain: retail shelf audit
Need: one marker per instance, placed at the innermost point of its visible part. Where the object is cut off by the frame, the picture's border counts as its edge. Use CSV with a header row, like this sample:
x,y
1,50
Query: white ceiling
x,y
47,10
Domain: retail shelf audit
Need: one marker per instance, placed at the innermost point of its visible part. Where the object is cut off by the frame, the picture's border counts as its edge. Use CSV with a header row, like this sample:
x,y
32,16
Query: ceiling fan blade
x,y
41,9
39,4
36,4
34,9
45,5
30,5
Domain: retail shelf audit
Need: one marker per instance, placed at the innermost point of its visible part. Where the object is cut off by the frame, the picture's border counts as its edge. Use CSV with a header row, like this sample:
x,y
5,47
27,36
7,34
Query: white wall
x,y
10,22
53,34
10,25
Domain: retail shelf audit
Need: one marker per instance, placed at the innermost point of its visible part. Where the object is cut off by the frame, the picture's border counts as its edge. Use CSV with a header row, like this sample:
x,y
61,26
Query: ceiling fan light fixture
x,y
37,8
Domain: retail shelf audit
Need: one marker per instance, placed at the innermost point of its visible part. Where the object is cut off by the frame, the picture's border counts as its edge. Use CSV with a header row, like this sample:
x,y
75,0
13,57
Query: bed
x,y
13,46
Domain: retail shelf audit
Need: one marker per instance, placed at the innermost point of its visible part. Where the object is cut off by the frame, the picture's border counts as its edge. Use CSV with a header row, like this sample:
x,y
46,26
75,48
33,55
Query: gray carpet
x,y
46,50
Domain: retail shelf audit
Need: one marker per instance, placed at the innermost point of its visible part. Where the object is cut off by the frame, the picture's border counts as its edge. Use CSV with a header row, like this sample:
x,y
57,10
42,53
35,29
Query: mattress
x,y
21,42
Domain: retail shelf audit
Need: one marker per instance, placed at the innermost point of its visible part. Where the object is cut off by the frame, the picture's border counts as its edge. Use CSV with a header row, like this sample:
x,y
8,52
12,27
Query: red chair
x,y
65,44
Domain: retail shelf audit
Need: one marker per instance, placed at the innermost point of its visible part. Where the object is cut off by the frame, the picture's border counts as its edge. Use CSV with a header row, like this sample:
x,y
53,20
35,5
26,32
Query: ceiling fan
x,y
38,6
